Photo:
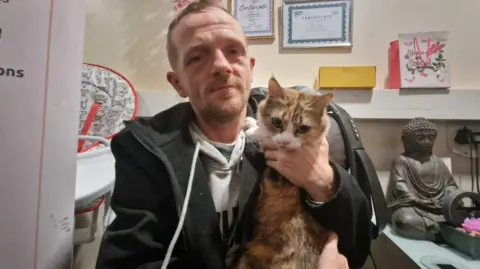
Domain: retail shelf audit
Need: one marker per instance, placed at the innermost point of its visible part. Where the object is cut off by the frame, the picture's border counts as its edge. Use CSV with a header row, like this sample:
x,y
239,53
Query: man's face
x,y
212,67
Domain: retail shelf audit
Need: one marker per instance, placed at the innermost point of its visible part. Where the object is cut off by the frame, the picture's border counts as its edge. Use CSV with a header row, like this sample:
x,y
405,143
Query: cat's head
x,y
292,118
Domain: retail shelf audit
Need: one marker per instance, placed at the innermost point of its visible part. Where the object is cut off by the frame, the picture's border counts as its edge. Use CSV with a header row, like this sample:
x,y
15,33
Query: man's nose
x,y
221,65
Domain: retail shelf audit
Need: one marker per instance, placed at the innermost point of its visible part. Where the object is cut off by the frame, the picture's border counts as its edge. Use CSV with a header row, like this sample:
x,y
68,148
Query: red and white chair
x,y
107,100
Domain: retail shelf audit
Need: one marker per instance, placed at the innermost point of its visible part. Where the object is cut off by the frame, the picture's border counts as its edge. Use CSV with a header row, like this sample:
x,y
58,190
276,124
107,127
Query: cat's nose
x,y
283,143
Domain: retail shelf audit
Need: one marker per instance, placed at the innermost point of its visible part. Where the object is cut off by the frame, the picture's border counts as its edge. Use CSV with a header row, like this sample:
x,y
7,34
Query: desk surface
x,y
391,251
387,255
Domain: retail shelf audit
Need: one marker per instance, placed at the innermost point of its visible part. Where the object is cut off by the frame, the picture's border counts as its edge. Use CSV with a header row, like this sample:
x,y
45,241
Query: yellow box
x,y
346,77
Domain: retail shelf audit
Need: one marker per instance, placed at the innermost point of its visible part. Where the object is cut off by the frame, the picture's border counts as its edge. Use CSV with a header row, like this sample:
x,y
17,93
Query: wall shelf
x,y
434,104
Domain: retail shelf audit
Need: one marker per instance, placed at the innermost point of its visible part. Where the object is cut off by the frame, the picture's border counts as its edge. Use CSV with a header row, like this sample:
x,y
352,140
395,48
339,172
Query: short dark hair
x,y
196,6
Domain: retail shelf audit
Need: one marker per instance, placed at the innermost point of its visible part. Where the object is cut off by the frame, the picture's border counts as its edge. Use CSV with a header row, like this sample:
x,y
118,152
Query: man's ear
x,y
175,82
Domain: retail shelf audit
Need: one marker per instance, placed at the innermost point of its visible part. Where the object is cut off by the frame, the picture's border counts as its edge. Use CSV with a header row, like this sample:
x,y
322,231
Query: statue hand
x,y
426,202
423,201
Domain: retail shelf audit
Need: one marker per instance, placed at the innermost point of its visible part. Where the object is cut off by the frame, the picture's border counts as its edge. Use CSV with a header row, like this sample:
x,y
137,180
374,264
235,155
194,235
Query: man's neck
x,y
222,132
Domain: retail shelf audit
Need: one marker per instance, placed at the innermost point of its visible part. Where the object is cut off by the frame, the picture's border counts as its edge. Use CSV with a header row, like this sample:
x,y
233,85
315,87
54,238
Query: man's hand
x,y
330,258
307,167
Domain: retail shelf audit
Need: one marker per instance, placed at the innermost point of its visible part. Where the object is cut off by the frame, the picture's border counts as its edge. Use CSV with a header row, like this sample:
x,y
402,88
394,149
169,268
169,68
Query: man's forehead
x,y
208,19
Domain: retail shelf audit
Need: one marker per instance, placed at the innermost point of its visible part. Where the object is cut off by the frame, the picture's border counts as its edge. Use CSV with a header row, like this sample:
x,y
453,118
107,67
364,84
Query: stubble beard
x,y
225,112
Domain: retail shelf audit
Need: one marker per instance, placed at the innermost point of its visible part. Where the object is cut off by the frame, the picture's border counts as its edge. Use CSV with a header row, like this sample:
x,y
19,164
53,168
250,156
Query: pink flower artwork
x,y
424,60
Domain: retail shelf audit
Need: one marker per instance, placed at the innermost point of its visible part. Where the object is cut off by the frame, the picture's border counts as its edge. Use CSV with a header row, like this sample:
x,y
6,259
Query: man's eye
x,y
194,59
233,51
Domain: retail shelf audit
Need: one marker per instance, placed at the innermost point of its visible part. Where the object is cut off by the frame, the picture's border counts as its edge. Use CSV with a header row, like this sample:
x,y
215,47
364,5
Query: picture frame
x,y
317,24
257,17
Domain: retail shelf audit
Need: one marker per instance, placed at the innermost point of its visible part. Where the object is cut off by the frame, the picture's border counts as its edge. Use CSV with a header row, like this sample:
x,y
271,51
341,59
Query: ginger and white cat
x,y
286,236
289,117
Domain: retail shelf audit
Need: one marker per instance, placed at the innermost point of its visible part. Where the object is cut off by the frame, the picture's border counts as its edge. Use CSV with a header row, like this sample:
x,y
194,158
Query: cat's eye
x,y
277,122
303,129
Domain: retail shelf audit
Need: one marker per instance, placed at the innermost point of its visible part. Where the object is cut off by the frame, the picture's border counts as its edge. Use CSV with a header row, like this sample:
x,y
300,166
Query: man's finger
x,y
268,144
270,155
273,164
343,262
331,242
323,146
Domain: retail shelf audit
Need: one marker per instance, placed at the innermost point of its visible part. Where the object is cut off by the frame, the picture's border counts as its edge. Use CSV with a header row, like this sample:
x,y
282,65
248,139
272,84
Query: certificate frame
x,y
269,22
345,40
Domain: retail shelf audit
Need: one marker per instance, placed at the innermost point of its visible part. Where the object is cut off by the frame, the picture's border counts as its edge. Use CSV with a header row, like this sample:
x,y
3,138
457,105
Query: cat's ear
x,y
274,88
323,100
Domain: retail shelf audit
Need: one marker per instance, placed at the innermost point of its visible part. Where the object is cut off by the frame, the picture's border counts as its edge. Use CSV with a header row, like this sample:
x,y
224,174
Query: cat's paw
x,y
252,134
249,123
251,129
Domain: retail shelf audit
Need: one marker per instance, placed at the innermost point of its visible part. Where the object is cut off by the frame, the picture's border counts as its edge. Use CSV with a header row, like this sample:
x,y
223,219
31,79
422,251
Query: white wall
x,y
129,36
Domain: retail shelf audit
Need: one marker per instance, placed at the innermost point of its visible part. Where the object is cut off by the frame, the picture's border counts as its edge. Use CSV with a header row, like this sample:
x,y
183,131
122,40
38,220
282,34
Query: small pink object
x,y
394,66
471,225
180,4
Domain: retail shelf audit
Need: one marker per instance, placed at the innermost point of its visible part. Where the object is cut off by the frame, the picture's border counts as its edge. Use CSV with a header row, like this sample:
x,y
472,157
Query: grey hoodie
x,y
222,163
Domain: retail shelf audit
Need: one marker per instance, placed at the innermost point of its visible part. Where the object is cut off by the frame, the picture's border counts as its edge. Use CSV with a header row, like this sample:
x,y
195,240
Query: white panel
x,y
434,104
455,104
23,49
56,222
41,51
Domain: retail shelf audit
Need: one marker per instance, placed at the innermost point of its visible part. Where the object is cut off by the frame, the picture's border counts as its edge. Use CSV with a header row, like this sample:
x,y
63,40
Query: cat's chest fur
x,y
286,236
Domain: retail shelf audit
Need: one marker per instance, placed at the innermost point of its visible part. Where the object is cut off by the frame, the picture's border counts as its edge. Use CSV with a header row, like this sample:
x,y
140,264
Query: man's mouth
x,y
226,87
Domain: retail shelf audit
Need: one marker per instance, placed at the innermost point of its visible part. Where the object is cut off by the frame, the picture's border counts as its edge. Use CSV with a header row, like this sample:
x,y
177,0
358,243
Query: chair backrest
x,y
346,149
107,100
359,164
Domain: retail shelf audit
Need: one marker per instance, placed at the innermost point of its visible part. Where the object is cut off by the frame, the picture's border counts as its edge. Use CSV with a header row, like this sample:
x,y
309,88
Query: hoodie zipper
x,y
173,179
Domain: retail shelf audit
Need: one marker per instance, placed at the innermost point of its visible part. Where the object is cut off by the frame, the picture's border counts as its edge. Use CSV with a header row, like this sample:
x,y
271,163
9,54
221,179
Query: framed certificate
x,y
255,16
317,24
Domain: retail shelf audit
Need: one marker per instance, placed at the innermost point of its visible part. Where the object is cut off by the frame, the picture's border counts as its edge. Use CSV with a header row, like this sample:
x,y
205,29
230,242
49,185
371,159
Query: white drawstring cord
x,y
166,260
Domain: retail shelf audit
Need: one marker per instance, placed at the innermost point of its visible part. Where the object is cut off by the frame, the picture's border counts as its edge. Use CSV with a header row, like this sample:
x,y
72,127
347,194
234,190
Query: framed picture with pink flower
x,y
424,60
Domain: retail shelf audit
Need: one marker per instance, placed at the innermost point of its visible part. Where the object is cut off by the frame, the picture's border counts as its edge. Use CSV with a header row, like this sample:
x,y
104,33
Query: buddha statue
x,y
419,181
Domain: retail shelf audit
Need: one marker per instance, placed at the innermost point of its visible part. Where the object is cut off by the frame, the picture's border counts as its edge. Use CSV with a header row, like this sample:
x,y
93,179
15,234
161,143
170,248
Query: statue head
x,y
418,136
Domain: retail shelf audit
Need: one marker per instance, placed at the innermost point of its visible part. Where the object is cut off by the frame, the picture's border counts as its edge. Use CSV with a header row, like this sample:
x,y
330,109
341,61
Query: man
x,y
210,65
